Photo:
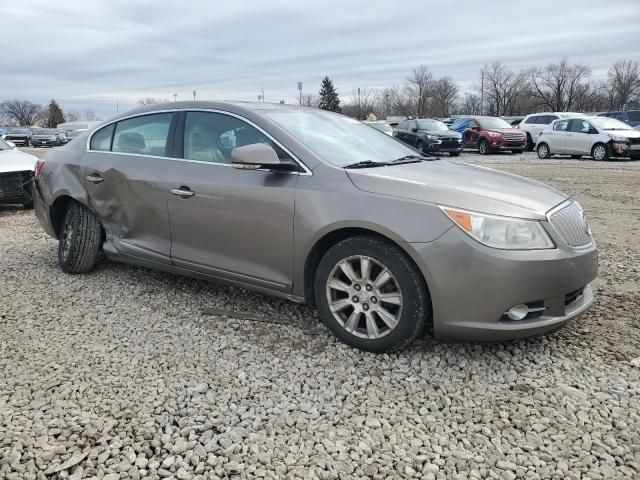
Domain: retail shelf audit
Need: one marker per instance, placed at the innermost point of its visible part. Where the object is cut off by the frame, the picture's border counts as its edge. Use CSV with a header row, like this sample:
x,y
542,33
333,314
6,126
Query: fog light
x,y
519,312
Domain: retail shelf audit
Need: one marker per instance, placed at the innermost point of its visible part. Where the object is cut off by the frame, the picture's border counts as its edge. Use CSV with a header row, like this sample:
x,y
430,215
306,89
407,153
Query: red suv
x,y
490,134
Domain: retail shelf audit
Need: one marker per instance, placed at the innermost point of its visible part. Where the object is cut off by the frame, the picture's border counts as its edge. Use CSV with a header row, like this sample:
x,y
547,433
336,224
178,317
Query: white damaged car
x,y
16,173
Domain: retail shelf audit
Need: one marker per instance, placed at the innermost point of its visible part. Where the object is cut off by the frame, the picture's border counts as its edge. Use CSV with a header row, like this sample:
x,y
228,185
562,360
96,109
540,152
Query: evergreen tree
x,y
54,114
329,99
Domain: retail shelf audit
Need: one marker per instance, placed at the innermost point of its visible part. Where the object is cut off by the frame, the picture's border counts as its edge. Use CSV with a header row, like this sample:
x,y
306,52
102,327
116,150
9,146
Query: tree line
x,y
26,113
558,86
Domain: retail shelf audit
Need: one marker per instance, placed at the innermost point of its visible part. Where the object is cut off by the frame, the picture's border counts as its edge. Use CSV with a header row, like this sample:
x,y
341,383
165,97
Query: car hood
x,y
461,185
17,134
506,130
624,133
441,134
16,161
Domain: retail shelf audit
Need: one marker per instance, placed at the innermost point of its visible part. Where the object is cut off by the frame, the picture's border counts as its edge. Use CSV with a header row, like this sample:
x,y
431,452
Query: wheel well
x,y
329,240
58,211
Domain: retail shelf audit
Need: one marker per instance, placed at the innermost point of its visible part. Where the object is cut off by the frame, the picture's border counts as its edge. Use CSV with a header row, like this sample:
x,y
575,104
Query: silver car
x,y
316,207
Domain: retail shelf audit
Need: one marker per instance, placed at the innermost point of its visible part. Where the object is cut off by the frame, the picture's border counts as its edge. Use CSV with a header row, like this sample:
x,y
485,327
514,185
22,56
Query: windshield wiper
x,y
366,164
413,158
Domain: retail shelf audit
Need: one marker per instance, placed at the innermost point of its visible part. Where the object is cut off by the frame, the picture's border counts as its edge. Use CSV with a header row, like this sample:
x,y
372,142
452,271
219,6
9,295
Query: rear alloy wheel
x,y
483,147
370,294
543,151
420,146
79,240
600,152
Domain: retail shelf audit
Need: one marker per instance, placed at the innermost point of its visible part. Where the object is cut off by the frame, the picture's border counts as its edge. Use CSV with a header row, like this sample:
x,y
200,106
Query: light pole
x,y
482,91
300,90
194,95
175,97
262,90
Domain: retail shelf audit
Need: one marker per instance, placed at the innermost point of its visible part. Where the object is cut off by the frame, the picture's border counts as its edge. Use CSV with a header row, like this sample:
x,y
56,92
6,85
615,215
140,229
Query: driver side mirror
x,y
414,129
257,155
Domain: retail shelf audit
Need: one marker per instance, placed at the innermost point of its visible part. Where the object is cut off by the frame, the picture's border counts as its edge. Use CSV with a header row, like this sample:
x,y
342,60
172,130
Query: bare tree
x,y
502,87
363,102
72,116
90,115
416,92
470,104
21,112
310,100
559,85
624,78
151,101
445,92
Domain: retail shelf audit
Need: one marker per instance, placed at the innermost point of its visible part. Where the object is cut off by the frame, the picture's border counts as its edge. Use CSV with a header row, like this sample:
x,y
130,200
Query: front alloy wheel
x,y
370,294
600,152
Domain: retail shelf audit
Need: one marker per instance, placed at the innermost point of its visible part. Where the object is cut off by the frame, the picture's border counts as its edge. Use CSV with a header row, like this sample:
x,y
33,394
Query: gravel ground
x,y
126,373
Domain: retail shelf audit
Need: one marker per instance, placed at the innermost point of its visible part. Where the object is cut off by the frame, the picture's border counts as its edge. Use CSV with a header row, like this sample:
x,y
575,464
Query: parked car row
x,y
16,172
38,137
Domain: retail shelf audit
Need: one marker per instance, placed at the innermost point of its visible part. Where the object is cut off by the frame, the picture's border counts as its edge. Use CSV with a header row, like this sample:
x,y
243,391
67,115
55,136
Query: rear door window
x,y
561,126
144,135
580,126
532,119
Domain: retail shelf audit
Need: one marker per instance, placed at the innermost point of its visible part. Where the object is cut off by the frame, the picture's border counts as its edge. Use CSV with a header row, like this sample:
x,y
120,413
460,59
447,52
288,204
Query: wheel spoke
x,y
347,269
365,267
339,305
352,322
372,328
337,284
390,320
383,278
394,298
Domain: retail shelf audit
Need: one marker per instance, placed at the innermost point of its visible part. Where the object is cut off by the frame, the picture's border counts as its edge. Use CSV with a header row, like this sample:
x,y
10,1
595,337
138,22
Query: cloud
x,y
105,52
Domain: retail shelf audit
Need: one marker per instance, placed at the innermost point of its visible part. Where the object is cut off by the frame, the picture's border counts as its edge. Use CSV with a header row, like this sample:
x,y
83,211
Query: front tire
x,y
544,152
79,240
483,147
454,154
600,152
371,295
420,146
518,151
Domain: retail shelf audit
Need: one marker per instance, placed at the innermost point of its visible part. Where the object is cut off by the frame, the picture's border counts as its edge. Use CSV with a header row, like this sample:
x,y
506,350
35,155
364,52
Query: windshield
x,y
493,123
44,131
20,130
606,123
338,139
436,125
4,145
382,126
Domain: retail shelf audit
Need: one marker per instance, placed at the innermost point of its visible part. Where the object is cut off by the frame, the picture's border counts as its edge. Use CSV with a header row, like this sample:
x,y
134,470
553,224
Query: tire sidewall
x,y
606,152
547,155
414,299
483,147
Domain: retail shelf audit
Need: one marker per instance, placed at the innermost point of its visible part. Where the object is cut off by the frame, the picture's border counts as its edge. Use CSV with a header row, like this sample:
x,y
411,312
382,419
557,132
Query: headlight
x,y
495,134
431,137
501,232
617,139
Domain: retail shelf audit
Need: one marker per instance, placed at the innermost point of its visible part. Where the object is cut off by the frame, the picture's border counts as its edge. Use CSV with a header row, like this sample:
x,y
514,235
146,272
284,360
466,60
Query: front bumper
x,y
43,143
18,141
499,143
472,286
444,145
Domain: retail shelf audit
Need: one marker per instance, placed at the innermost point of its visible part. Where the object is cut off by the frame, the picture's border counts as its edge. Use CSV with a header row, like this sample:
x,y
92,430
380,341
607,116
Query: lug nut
x,y
357,287
355,299
365,307
369,288
374,300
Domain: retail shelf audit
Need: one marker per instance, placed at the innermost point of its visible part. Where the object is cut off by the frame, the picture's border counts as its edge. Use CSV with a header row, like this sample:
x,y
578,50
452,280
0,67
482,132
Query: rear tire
x,y
371,295
544,152
483,147
79,240
454,154
600,152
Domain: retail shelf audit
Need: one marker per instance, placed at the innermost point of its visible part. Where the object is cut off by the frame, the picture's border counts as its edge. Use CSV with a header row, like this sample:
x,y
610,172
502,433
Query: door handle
x,y
95,178
183,192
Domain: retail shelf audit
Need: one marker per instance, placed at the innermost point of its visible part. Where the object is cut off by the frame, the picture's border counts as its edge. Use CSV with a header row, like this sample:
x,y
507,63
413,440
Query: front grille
x,y
571,297
513,136
634,141
14,184
571,224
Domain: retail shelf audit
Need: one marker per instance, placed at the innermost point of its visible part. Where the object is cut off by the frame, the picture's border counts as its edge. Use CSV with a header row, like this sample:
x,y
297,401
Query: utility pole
x,y
117,107
482,91
194,95
300,91
262,89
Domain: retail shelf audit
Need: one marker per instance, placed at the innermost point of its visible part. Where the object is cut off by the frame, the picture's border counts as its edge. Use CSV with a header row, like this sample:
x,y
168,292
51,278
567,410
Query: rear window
x,y
561,126
532,119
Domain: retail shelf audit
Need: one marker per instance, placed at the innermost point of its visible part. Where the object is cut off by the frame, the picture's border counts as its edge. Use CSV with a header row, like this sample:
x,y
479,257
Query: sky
x,y
105,55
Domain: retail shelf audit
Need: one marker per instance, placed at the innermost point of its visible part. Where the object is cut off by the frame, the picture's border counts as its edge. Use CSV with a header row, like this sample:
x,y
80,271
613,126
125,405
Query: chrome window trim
x,y
307,171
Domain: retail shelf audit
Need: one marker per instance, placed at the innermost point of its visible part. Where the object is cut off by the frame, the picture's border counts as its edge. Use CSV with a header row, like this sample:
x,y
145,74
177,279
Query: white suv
x,y
599,137
534,124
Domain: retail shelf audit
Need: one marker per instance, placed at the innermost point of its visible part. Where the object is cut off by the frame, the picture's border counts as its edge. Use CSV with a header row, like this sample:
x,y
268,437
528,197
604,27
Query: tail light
x,y
39,167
